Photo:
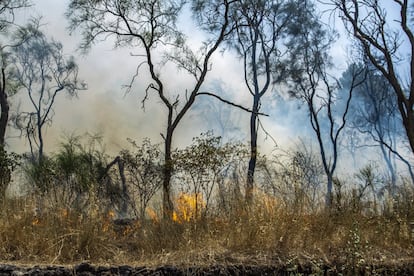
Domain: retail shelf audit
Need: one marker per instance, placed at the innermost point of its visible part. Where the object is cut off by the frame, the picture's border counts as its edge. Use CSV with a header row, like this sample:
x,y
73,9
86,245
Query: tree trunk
x,y
167,204
4,118
4,105
390,166
40,136
125,192
409,127
253,151
328,196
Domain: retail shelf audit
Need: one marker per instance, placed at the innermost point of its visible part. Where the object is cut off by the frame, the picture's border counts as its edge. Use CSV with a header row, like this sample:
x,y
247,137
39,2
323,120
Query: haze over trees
x,y
311,82
375,116
386,42
8,41
42,72
152,24
153,180
284,50
260,31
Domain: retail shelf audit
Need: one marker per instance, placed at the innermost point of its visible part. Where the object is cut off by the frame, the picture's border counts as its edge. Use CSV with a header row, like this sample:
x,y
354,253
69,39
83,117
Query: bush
x,y
8,163
82,196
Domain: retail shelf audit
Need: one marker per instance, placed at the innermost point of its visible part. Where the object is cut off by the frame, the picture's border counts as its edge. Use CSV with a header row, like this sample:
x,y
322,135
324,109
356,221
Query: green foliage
x,y
203,155
79,164
356,248
8,163
72,175
143,173
204,164
40,174
130,22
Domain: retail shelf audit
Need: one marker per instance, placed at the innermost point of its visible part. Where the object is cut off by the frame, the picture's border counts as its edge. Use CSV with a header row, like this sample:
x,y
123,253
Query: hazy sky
x,y
105,108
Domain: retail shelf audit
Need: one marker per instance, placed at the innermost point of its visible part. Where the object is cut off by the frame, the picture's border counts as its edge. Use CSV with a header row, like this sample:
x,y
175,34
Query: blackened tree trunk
x,y
253,151
4,117
168,169
4,105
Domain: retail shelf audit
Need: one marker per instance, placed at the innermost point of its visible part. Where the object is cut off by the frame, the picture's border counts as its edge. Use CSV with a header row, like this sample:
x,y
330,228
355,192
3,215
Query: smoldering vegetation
x,y
340,200
82,204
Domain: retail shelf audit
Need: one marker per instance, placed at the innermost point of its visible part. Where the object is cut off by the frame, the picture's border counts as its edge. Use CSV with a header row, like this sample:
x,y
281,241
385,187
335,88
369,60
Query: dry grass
x,y
265,234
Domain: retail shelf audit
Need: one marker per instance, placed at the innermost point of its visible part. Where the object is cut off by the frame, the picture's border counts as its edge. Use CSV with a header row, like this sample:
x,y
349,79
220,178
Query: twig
x,y
60,251
266,132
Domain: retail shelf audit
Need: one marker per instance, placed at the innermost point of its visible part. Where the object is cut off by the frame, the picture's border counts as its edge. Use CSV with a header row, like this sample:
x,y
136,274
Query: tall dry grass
x,y
265,233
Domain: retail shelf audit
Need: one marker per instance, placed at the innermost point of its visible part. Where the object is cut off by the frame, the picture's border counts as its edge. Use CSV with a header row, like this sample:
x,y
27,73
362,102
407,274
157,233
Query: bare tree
x,y
387,43
320,92
258,40
325,116
374,114
42,72
148,24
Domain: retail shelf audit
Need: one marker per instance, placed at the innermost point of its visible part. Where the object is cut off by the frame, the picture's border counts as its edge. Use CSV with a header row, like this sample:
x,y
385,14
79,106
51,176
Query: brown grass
x,y
266,233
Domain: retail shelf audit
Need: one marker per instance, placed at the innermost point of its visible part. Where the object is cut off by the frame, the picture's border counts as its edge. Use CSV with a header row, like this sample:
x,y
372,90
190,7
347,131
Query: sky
x,y
106,109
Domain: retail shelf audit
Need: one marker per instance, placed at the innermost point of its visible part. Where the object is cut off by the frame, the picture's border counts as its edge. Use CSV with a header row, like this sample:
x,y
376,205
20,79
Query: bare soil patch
x,y
86,269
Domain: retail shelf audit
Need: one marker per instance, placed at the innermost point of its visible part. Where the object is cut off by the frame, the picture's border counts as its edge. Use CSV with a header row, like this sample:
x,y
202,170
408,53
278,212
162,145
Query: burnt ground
x,y
86,269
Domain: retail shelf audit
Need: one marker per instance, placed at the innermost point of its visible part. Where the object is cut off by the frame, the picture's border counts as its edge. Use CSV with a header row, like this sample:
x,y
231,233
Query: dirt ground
x,y
88,269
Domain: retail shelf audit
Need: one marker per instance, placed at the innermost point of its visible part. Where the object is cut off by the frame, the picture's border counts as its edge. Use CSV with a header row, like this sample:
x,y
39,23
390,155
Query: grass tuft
x,y
264,233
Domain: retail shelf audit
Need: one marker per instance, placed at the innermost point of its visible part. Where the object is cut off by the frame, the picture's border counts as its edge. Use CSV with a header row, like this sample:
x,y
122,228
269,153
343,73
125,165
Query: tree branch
x,y
231,103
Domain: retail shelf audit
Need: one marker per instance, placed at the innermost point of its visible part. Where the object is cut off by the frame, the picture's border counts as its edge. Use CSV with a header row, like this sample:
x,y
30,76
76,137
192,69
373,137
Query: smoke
x,y
108,110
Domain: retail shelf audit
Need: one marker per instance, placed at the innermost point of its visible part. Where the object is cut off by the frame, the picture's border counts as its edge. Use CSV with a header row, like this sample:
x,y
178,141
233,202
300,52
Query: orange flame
x,y
111,214
188,207
64,213
36,221
107,222
268,204
153,215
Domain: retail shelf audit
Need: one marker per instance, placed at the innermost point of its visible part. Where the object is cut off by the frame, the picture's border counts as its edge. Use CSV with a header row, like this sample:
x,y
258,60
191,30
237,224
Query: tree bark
x,y
167,204
4,105
40,136
328,196
253,151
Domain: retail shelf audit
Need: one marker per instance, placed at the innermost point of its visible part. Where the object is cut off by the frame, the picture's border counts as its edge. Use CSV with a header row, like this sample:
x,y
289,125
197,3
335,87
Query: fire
x,y
36,221
107,221
111,214
153,215
188,207
267,203
64,213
